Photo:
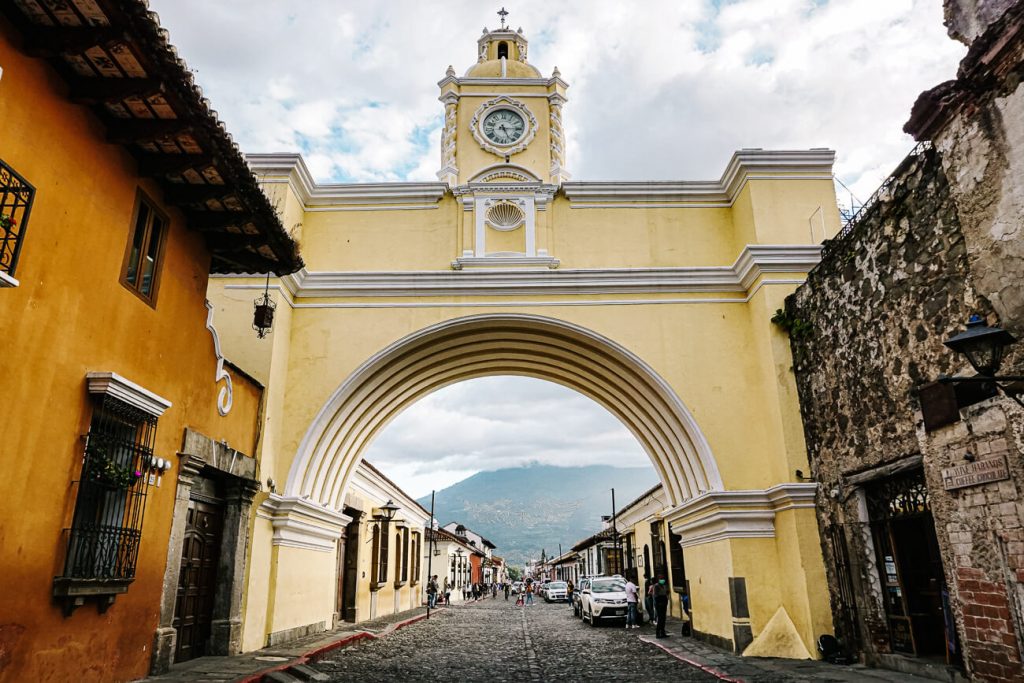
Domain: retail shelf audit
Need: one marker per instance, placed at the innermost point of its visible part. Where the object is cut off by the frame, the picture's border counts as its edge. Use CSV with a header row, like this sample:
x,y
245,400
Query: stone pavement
x,y
493,640
246,666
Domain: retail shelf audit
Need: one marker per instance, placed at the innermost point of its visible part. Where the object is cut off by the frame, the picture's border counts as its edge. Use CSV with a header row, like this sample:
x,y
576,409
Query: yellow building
x,y
127,437
652,298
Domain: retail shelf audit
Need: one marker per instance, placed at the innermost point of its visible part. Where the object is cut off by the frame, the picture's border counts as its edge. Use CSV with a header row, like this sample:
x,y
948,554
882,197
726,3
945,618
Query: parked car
x,y
576,595
517,588
556,591
603,598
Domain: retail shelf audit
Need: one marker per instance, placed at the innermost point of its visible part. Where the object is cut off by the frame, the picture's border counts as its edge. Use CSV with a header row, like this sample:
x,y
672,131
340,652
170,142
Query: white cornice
x,y
720,515
273,169
301,523
815,164
752,263
745,165
503,82
114,385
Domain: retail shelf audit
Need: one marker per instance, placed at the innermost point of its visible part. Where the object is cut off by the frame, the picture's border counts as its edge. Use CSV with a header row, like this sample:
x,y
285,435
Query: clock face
x,y
503,126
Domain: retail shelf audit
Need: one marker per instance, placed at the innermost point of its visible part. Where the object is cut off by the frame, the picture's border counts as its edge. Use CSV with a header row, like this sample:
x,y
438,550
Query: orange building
x,y
125,438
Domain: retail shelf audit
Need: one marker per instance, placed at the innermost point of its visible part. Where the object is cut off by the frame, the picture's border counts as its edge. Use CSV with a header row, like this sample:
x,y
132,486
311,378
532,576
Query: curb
x,y
314,654
703,667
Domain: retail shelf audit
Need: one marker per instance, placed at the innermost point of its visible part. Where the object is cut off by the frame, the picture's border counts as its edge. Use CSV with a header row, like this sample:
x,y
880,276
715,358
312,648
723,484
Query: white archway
x,y
501,344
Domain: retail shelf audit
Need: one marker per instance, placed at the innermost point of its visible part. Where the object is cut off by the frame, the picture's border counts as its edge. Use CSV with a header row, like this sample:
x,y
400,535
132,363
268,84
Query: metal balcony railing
x,y
16,195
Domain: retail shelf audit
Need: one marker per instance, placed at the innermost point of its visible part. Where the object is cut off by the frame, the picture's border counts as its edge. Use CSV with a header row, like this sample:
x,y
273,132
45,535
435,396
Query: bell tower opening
x,y
503,50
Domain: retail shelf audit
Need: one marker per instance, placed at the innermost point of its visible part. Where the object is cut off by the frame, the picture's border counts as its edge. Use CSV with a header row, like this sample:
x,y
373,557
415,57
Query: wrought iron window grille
x,y
16,197
106,530
898,496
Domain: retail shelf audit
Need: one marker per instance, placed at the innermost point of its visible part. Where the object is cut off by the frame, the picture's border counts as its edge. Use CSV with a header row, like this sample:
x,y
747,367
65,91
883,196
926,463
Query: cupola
x,y
502,54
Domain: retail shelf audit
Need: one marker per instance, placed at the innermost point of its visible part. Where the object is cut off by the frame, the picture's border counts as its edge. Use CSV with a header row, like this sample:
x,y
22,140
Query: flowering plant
x,y
105,470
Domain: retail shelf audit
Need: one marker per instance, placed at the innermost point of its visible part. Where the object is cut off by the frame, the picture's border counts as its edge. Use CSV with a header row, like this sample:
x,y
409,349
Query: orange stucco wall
x,y
70,316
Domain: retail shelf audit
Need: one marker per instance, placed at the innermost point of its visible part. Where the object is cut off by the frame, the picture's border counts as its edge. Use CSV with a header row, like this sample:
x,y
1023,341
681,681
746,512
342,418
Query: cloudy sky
x,y
658,90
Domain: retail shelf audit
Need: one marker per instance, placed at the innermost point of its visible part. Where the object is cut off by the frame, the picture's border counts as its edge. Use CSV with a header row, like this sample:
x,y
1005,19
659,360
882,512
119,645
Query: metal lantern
x,y
387,512
263,313
983,345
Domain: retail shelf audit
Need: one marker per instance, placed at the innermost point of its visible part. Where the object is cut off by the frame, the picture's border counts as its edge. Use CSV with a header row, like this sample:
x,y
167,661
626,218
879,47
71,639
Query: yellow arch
x,y
501,344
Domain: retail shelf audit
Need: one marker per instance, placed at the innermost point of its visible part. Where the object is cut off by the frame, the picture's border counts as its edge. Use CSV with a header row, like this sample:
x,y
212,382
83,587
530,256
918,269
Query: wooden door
x,y
351,573
197,580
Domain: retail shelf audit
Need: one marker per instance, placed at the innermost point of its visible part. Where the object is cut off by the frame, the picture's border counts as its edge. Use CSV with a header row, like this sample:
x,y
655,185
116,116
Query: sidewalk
x,y
727,666
253,666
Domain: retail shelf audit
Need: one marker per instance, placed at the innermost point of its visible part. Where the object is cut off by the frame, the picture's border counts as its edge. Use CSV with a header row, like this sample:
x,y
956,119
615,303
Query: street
x,y
494,640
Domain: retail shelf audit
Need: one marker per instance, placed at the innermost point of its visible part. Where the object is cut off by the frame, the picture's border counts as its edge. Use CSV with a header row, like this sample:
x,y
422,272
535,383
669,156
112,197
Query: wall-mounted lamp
x,y
385,513
263,312
984,348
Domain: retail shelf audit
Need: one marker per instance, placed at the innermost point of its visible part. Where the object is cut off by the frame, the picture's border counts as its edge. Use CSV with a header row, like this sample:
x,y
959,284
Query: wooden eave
x,y
117,60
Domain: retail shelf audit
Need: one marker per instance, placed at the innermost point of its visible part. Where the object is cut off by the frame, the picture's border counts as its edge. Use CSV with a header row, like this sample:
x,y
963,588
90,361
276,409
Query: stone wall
x,y
944,240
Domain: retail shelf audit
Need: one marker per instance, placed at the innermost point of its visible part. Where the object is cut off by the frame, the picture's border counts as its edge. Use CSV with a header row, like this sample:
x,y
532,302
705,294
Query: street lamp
x,y
386,513
458,553
982,345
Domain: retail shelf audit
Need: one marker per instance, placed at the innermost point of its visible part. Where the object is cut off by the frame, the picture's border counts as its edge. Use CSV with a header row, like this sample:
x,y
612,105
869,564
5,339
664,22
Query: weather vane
x,y
502,13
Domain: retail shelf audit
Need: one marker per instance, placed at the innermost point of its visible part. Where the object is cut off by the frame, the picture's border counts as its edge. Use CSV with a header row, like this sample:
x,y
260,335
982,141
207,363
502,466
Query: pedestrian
x,y
661,605
568,591
508,590
631,603
529,591
476,591
447,592
494,590
649,599
432,592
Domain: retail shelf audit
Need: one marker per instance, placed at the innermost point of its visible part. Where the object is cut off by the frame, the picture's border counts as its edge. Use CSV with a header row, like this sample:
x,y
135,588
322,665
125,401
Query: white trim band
x,y
301,523
116,386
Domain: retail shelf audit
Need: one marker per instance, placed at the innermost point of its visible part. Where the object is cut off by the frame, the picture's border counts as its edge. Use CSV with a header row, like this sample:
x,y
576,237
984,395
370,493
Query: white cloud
x,y
662,89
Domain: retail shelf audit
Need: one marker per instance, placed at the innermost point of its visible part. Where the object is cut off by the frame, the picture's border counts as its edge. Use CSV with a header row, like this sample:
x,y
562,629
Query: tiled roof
x,y
117,60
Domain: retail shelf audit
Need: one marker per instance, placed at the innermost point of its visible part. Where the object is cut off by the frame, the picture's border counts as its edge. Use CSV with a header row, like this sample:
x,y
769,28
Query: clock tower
x,y
503,149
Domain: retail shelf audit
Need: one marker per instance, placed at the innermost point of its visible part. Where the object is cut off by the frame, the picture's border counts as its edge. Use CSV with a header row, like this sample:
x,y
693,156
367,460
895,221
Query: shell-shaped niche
x,y
505,216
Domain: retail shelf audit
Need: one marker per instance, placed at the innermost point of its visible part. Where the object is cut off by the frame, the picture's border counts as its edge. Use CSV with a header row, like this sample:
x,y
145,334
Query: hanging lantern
x,y
263,314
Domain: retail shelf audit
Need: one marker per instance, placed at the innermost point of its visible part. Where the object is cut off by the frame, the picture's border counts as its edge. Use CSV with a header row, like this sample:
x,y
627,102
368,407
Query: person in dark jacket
x,y
661,605
649,599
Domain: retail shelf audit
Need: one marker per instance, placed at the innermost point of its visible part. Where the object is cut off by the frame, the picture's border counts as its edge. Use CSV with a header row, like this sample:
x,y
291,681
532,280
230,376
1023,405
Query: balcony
x,y
16,196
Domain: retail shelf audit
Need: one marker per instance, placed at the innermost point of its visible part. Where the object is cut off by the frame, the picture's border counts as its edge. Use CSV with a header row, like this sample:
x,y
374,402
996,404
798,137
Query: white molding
x,y
494,280
225,398
8,281
721,515
745,165
126,391
301,523
743,299
291,169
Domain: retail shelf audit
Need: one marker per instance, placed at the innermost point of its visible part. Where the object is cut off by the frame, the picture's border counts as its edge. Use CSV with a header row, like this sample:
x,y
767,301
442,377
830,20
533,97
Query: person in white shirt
x,y
631,602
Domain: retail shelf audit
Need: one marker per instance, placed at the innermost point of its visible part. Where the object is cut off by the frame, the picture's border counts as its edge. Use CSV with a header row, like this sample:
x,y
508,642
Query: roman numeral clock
x,y
503,126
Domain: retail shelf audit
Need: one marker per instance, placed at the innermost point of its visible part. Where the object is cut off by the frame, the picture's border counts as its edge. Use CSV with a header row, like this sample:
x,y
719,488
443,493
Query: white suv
x,y
555,591
603,597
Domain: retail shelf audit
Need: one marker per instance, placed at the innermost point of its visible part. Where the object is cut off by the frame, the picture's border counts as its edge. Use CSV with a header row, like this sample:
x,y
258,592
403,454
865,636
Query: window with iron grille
x,y
142,261
404,540
16,197
103,542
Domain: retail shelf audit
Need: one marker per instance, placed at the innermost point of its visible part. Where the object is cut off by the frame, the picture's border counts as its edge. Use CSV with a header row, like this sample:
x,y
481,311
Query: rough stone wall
x,y
945,240
968,19
877,308
983,530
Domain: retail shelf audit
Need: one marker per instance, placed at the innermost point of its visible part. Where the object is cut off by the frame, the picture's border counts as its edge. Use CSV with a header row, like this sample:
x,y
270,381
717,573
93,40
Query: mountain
x,y
523,510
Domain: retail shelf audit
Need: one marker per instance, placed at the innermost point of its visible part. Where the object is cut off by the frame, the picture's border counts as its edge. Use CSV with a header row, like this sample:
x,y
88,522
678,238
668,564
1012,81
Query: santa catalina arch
x,y
652,298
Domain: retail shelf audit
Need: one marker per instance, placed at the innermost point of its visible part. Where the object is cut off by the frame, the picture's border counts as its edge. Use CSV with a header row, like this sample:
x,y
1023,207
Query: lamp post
x,y
984,347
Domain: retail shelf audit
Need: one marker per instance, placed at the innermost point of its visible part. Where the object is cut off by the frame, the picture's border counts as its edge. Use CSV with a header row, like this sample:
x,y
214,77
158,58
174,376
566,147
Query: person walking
x,y
569,587
631,603
661,605
432,592
447,592
529,592
508,589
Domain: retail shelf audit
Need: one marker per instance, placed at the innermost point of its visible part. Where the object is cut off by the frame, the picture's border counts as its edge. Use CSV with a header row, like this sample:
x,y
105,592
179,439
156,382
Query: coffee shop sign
x,y
975,473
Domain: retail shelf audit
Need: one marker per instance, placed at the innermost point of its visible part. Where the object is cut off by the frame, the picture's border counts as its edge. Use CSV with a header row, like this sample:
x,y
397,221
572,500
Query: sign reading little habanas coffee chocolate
x,y
975,473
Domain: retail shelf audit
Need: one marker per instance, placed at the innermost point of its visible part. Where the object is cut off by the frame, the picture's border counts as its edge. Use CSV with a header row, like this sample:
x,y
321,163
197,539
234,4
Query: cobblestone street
x,y
492,640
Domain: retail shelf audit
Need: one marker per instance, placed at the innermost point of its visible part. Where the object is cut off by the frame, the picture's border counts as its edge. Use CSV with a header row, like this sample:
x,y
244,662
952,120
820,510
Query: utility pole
x,y
615,536
430,549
